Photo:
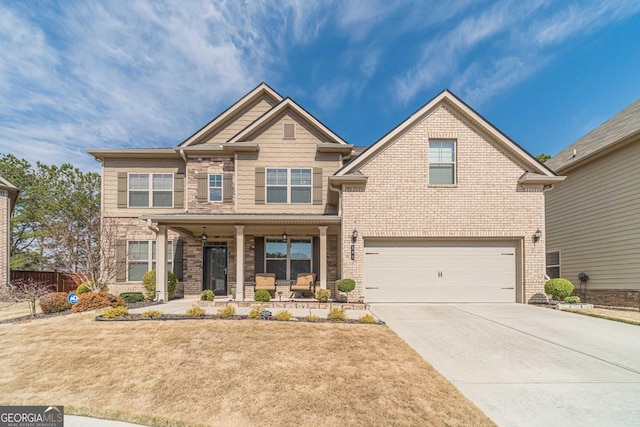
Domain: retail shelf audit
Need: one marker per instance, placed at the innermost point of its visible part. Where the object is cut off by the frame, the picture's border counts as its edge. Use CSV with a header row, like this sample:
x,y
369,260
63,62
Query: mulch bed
x,y
138,317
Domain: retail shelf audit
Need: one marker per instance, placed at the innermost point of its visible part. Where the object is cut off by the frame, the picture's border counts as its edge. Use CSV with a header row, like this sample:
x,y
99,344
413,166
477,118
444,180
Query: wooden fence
x,y
60,282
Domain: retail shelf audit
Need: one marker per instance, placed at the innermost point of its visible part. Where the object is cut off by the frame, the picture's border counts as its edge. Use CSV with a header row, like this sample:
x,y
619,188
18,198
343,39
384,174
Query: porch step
x,y
284,304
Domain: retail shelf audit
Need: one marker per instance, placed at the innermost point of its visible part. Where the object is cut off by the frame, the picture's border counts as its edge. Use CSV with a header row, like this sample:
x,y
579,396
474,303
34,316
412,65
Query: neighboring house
x,y
443,208
593,218
8,196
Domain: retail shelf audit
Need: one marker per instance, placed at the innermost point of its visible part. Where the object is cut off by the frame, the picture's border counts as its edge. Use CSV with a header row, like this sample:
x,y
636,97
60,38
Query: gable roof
x,y
260,90
11,189
618,128
286,103
461,109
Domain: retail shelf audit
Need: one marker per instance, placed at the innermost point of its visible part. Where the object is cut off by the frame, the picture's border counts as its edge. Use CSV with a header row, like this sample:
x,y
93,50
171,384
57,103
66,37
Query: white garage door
x,y
425,271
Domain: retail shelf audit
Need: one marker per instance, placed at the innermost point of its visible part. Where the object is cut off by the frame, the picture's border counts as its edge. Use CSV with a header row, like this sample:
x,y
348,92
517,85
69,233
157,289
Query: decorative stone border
x,y
579,306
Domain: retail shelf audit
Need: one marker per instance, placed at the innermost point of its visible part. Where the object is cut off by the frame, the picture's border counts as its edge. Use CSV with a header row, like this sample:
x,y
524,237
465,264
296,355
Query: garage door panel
x,y
423,271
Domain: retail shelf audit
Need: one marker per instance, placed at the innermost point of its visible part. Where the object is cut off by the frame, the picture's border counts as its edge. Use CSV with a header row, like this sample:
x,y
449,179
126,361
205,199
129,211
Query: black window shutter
x,y
259,255
315,261
178,258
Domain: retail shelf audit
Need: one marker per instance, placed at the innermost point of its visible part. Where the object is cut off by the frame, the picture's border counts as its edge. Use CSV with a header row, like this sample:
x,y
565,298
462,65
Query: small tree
x,y
559,288
346,285
149,283
28,291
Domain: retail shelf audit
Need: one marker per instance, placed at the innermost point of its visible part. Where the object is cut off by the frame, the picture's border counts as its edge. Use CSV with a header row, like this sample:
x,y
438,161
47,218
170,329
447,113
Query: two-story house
x,y
442,208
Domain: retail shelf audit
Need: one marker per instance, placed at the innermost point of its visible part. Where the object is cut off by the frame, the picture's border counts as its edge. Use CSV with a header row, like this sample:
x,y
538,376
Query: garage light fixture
x,y
354,235
537,235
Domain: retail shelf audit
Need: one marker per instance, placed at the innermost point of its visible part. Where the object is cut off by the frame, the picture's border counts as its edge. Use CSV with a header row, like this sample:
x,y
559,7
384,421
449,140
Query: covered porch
x,y
224,252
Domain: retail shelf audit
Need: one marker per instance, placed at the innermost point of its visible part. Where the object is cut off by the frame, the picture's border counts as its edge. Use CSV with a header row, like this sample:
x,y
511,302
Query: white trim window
x,y
288,258
141,257
289,185
151,190
553,264
215,187
442,162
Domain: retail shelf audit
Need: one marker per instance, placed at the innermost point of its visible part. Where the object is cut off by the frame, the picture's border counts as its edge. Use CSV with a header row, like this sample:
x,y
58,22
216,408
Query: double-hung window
x,y
288,185
150,190
141,257
442,163
288,258
215,187
553,264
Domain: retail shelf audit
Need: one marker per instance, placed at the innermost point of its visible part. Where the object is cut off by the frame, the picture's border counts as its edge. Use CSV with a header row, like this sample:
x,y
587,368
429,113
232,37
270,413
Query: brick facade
x,y
486,201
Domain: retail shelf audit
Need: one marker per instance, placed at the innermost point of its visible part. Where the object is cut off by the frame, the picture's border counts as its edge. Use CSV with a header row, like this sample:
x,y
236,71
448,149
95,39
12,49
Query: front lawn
x,y
227,374
12,311
625,316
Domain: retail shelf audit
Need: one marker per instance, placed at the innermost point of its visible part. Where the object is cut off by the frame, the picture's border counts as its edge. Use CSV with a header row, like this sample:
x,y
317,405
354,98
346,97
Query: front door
x,y
215,269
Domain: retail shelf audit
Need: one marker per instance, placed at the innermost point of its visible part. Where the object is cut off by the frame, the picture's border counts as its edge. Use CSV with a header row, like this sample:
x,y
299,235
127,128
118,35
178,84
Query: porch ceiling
x,y
224,225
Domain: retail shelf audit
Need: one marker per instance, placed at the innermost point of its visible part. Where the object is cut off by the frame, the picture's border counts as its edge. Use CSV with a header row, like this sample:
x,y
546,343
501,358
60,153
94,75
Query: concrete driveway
x,y
525,365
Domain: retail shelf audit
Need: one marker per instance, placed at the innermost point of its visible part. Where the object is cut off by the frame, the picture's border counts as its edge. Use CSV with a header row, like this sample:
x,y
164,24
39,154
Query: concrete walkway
x,y
180,306
78,421
528,366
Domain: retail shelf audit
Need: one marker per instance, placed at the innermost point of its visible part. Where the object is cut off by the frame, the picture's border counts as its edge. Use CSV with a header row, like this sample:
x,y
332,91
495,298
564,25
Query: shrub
x,y
255,312
132,297
346,286
149,283
337,315
284,315
55,302
572,300
95,300
312,318
92,286
323,295
367,318
559,288
207,295
82,289
262,296
152,314
115,312
226,312
195,312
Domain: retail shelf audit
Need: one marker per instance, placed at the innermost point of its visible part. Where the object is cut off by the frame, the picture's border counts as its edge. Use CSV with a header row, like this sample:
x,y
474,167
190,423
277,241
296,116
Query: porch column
x,y
162,292
323,257
240,262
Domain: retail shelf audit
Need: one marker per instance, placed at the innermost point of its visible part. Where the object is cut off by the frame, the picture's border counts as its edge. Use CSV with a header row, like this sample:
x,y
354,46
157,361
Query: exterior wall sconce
x,y
537,235
354,236
203,236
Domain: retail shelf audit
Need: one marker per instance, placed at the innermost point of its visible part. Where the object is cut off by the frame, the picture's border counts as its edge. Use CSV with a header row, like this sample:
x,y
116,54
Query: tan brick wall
x,y
5,242
487,201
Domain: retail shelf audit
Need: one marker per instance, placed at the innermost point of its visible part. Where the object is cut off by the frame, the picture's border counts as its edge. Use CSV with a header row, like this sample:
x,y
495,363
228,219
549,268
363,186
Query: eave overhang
x,y
135,153
353,179
329,147
538,179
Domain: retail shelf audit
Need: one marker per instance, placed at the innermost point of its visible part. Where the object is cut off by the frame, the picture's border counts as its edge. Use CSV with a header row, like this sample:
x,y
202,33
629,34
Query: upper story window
x,y
215,187
288,185
442,163
150,190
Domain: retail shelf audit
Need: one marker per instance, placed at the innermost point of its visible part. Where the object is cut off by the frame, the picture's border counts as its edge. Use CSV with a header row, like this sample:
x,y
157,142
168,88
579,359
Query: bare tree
x,y
28,291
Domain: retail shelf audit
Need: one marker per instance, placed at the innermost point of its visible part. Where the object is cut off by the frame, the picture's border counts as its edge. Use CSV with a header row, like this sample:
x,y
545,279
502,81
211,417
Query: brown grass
x,y
227,373
626,316
11,311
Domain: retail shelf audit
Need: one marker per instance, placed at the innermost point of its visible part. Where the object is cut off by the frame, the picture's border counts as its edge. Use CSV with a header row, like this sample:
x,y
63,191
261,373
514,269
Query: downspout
x,y
186,177
152,227
339,191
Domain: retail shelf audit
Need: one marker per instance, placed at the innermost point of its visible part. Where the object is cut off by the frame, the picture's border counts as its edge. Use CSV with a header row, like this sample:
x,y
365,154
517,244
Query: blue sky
x,y
77,75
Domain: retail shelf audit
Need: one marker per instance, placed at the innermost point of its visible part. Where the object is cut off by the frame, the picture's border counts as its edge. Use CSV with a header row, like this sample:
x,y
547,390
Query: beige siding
x,y
275,151
593,219
241,120
486,202
110,182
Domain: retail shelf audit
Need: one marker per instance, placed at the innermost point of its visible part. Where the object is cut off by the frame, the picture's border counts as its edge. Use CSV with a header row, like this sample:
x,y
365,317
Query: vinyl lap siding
x,y
242,119
594,219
